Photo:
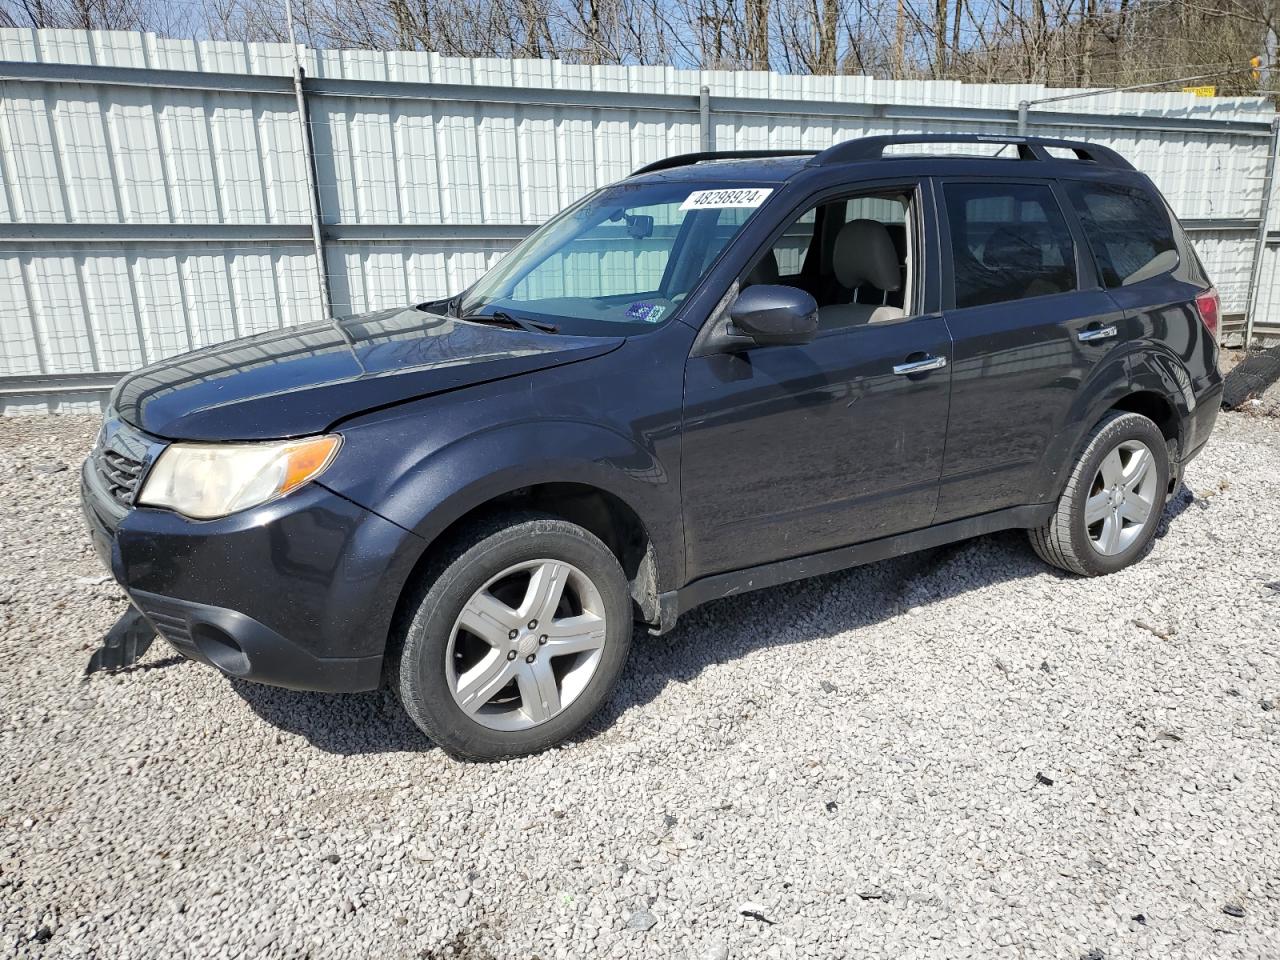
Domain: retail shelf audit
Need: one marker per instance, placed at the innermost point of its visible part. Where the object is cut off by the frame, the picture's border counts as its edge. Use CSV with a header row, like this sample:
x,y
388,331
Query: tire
x,y
1068,540
457,646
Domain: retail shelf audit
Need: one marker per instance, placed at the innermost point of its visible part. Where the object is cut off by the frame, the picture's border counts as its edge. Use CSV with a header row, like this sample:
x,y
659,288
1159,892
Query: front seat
x,y
864,256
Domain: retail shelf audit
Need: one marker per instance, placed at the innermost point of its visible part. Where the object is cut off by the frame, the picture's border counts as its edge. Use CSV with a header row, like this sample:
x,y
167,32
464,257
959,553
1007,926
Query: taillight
x,y
1207,304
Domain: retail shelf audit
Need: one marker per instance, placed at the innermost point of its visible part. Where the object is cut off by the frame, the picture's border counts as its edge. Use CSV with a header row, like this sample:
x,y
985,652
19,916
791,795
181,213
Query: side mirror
x,y
773,314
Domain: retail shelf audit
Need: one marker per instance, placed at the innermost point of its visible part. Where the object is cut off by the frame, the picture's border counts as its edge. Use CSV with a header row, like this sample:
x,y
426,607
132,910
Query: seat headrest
x,y
864,253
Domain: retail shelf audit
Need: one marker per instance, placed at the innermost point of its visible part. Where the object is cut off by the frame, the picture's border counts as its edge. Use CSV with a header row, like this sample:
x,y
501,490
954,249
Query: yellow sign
x,y
1209,91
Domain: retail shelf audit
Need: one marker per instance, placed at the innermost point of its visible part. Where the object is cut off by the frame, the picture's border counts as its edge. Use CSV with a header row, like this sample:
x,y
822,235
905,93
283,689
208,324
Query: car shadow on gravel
x,y
1182,499
732,627
346,724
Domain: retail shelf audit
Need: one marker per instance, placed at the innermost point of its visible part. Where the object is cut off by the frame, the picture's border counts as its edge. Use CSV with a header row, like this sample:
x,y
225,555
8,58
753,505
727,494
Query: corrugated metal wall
x,y
155,194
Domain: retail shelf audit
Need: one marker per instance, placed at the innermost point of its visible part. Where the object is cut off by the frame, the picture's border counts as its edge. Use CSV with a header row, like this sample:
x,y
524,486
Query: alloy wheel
x,y
526,644
1121,497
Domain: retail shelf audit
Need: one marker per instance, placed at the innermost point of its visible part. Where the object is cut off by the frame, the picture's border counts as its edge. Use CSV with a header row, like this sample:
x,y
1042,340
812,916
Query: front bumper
x,y
242,647
297,593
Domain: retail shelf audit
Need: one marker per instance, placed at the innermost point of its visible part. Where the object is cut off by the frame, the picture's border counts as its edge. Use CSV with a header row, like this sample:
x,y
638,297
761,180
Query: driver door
x,y
795,449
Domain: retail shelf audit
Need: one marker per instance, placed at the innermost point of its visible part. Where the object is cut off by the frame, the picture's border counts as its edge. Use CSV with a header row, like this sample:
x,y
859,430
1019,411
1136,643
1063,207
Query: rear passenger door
x,y
1029,321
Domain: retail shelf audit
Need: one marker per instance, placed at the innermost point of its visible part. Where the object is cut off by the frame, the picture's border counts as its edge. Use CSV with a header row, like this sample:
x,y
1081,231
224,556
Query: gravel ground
x,y
956,754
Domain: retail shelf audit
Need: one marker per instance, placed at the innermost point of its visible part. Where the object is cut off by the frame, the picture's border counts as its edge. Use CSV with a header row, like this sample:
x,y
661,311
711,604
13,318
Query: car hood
x,y
290,383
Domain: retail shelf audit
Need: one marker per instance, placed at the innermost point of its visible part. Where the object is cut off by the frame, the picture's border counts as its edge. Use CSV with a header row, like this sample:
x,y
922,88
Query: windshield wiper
x,y
524,323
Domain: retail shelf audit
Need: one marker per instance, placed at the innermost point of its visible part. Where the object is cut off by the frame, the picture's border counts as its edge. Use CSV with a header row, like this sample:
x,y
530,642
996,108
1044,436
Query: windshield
x,y
620,262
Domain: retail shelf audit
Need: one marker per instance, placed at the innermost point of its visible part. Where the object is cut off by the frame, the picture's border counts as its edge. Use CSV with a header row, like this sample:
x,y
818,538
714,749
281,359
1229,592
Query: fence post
x,y
706,138
1260,243
313,188
309,157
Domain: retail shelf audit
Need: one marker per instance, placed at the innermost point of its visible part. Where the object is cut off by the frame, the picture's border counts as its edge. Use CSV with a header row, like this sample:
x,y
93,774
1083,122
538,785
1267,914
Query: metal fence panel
x,y
154,193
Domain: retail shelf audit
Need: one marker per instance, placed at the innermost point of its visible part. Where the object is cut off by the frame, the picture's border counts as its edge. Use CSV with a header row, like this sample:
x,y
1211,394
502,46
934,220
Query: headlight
x,y
208,480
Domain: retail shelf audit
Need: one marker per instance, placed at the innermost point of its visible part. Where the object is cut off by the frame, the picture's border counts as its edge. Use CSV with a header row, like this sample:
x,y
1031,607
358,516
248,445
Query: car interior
x,y
852,255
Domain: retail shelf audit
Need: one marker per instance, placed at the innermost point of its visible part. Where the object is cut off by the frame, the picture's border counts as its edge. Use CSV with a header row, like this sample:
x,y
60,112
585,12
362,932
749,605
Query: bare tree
x,y
757,18
1059,42
154,15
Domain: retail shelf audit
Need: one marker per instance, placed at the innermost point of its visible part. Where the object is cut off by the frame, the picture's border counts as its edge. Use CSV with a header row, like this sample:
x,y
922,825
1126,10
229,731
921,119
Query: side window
x,y
1128,229
852,254
1008,242
885,209
785,260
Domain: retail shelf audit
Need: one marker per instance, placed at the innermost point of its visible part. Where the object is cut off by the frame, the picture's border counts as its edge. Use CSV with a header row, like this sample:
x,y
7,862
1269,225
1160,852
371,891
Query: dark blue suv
x,y
725,372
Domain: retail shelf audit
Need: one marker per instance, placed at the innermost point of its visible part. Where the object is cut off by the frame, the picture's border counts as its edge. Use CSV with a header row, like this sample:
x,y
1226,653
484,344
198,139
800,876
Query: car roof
x,y
1037,156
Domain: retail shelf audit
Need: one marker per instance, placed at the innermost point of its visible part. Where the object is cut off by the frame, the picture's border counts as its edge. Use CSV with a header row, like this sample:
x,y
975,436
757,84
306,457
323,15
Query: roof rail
x,y
1029,148
685,159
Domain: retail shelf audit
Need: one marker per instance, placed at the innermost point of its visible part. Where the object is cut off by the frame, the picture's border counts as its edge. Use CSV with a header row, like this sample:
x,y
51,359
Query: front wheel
x,y
1112,503
520,634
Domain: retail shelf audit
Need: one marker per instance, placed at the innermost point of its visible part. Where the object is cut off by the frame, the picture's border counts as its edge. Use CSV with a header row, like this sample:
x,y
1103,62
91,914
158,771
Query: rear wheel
x,y
519,635
1112,503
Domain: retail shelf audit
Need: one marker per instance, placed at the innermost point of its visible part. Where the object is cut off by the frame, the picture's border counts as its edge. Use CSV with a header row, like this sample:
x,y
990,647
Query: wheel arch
x,y
432,484
1156,408
1144,381
600,511
1161,390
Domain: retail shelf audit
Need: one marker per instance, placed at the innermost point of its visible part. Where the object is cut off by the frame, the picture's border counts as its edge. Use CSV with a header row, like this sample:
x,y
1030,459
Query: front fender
x,y
428,488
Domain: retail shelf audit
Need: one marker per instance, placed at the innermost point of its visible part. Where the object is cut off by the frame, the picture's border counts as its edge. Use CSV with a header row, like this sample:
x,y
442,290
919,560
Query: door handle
x,y
920,366
1096,333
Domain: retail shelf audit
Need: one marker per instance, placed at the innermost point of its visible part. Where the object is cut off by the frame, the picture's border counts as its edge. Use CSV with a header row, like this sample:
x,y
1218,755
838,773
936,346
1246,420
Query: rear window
x,y
1008,242
1128,229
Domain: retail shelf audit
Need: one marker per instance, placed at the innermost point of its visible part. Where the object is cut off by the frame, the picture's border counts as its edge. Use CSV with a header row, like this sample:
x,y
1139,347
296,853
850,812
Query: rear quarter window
x,y
1129,231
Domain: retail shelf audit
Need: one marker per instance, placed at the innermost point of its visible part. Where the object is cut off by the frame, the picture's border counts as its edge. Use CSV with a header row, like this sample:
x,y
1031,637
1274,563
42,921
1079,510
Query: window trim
x,y
1088,274
948,285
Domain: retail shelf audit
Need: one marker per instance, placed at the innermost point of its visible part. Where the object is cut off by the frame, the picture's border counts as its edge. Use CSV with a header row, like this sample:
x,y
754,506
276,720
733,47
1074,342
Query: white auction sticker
x,y
735,197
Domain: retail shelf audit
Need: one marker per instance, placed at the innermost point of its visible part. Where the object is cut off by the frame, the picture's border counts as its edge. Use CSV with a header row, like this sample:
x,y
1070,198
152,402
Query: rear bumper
x,y
297,593
1200,422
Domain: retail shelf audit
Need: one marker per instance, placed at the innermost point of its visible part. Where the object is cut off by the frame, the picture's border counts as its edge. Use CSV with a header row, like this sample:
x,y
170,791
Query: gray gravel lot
x,y
956,754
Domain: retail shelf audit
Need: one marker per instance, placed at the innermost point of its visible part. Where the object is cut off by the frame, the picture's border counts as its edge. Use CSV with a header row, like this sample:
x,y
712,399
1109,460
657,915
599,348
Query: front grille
x,y
119,459
120,472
